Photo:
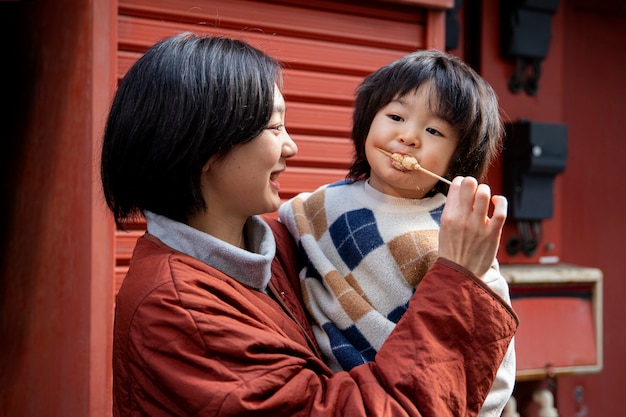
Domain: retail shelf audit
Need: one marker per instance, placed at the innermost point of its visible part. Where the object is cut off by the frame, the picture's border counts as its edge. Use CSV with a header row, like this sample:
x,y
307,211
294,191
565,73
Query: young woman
x,y
209,319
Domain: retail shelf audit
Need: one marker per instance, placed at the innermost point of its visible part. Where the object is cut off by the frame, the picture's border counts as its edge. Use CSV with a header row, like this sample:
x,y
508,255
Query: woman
x,y
209,321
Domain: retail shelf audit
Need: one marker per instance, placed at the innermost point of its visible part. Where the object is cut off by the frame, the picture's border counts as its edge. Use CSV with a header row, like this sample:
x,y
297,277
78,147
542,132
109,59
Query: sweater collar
x,y
250,267
370,197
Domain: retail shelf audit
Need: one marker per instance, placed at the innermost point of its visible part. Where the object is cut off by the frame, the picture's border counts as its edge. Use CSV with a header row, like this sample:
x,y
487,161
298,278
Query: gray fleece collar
x,y
250,267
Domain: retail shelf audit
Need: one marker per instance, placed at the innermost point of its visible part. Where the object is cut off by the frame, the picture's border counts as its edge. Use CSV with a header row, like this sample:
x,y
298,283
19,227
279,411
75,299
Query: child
x,y
370,239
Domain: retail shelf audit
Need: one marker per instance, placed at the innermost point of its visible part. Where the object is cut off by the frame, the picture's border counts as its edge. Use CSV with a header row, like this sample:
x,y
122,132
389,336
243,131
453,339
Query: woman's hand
x,y
468,236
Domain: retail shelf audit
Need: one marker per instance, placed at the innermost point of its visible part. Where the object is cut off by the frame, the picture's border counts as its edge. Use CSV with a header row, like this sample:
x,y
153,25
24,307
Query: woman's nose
x,y
289,146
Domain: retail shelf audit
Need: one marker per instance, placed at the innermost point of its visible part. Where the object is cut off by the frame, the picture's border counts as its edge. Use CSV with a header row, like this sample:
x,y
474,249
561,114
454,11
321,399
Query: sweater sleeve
x,y
503,385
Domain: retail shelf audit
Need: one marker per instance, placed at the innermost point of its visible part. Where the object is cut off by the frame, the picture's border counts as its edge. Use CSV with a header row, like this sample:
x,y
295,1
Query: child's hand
x,y
468,236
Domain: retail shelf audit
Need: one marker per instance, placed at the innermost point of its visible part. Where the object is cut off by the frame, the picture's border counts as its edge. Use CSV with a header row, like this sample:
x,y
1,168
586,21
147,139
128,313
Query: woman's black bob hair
x,y
458,95
185,100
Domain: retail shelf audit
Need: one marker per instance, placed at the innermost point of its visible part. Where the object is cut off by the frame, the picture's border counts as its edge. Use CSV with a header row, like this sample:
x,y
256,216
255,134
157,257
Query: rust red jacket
x,y
192,341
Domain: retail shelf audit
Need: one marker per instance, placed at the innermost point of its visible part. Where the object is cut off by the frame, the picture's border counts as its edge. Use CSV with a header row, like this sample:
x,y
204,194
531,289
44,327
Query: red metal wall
x,y
57,242
592,199
582,85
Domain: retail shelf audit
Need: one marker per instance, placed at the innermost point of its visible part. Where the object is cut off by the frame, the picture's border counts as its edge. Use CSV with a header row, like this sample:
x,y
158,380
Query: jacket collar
x,y
250,267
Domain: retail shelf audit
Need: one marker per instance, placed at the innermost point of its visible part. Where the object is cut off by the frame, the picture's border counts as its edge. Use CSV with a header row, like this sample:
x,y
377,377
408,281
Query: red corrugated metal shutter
x,y
327,48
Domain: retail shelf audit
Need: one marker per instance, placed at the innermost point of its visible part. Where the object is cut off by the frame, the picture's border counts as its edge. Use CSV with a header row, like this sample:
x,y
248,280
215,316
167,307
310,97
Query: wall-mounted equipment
x,y
453,29
534,153
526,30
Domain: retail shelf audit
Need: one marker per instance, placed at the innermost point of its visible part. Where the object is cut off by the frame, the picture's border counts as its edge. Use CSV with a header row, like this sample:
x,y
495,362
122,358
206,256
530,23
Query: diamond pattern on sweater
x,y
355,234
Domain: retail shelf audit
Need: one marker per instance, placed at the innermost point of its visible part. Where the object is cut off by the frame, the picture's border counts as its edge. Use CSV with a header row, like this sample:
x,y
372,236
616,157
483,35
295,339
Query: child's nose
x,y
411,138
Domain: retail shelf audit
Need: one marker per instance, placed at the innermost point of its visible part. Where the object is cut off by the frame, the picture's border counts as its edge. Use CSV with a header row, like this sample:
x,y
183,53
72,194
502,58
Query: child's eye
x,y
434,132
395,118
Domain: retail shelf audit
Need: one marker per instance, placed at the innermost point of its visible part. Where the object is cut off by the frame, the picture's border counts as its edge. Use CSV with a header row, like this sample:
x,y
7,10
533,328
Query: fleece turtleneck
x,y
251,267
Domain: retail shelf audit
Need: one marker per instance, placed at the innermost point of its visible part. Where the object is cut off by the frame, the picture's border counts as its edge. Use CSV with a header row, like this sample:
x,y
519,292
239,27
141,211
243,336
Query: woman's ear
x,y
214,159
207,166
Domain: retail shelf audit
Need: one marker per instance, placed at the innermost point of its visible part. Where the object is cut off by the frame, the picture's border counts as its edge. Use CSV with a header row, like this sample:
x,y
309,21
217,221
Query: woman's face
x,y
407,126
246,181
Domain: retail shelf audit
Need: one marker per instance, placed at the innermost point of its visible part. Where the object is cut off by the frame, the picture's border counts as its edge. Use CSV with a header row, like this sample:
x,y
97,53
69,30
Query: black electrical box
x,y
526,27
534,153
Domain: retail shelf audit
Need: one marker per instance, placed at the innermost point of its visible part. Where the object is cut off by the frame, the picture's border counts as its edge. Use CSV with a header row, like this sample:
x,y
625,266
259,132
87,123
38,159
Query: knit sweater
x,y
365,252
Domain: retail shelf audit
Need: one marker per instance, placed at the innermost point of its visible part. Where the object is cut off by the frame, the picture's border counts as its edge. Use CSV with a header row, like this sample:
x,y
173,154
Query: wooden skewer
x,y
415,166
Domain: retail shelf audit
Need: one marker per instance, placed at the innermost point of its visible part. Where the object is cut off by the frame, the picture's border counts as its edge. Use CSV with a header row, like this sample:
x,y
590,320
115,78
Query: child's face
x,y
406,126
245,181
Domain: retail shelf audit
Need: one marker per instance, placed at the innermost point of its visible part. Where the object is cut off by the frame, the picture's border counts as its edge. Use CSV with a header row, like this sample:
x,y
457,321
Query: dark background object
x,y
525,33
453,30
534,153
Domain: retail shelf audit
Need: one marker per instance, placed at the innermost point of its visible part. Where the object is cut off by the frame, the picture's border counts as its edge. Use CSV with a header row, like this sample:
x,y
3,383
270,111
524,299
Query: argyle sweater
x,y
365,252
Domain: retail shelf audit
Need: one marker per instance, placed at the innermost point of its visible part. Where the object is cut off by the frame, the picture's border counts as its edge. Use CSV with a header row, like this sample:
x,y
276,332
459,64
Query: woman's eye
x,y
277,128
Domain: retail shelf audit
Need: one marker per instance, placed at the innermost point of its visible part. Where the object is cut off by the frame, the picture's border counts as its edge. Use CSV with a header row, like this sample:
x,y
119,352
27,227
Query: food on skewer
x,y
409,162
